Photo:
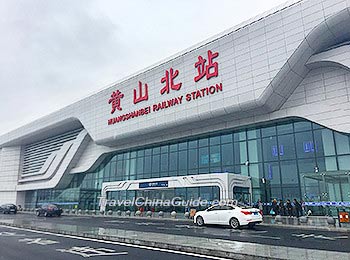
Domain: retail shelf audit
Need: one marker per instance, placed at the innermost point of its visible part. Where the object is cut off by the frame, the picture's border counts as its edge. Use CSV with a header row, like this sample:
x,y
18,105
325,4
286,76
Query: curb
x,y
153,244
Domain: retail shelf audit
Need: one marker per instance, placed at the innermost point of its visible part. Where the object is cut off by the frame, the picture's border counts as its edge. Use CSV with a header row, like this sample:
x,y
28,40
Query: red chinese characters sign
x,y
206,67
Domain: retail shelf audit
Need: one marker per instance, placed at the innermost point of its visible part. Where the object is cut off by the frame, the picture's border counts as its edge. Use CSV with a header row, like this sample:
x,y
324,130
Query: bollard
x,y
138,213
67,211
110,212
173,214
331,221
128,213
149,214
79,211
187,214
119,212
160,214
93,212
303,220
73,211
278,219
86,212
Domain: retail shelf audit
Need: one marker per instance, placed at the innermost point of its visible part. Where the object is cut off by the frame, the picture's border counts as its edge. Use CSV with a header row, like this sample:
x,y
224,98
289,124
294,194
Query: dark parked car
x,y
8,208
49,210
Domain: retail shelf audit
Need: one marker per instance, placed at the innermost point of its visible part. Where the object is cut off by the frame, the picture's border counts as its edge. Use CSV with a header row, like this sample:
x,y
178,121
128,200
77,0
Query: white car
x,y
234,216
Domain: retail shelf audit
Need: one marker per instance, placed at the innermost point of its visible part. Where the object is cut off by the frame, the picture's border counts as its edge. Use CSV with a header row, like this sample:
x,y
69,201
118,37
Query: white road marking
x,y
38,241
115,221
87,251
11,234
117,243
303,236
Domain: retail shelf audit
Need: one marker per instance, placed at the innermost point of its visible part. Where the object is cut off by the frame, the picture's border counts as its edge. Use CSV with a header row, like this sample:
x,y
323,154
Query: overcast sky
x,y
55,52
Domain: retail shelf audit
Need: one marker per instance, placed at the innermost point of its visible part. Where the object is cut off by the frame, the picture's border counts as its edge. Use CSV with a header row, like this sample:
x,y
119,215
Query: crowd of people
x,y
289,208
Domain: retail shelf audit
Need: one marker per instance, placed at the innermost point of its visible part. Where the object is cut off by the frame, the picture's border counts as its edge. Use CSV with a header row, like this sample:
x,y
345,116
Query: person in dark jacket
x,y
274,208
282,209
289,208
298,210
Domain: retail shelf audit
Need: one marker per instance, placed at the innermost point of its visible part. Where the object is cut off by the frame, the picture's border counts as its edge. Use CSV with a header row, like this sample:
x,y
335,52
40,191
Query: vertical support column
x,y
10,159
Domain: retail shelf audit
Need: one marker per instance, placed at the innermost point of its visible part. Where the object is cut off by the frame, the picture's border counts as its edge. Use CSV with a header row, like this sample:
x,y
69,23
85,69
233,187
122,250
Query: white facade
x,y
293,61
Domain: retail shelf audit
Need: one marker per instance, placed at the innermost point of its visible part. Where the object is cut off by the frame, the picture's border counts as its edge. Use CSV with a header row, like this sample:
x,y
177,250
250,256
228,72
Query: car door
x,y
212,215
226,214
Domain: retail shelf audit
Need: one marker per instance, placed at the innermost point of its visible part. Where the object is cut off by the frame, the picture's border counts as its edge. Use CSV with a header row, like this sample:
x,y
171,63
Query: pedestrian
x,y
260,205
274,208
282,208
289,208
303,207
297,206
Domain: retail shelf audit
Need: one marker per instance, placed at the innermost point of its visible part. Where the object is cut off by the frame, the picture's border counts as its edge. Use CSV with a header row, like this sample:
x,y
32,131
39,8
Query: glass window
x,y
270,149
173,162
203,142
183,146
193,144
240,152
256,173
327,164
173,148
148,152
253,134
307,165
254,151
164,149
316,126
324,143
239,136
183,160
164,161
139,166
214,140
302,126
147,164
227,154
344,162
342,142
132,167
226,138
285,129
133,154
268,131
203,157
289,173
193,159
331,164
155,164
140,153
215,156
286,147
156,150
305,145
272,172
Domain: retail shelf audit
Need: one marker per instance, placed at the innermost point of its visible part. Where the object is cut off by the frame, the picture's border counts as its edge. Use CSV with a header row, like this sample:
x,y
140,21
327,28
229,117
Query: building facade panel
x,y
230,104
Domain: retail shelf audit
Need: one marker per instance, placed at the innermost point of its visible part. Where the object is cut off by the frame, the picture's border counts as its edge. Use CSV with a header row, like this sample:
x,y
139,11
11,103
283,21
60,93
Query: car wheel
x,y
200,221
38,213
234,223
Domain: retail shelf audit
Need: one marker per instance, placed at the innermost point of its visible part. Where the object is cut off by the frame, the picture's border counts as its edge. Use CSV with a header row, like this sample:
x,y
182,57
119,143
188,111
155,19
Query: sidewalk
x,y
200,245
267,221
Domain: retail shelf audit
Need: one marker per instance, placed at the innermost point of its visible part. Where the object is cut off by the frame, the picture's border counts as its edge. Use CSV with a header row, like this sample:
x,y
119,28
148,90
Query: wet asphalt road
x,y
18,244
262,234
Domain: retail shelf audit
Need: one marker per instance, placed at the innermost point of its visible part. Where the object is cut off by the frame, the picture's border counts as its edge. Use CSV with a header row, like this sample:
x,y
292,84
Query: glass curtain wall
x,y
286,160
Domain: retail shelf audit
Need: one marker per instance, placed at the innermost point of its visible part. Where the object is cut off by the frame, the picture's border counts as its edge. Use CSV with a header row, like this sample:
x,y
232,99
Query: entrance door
x,y
242,195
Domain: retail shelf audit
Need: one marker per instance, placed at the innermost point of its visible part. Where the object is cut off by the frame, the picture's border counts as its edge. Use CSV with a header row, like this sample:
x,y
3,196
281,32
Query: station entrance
x,y
175,193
